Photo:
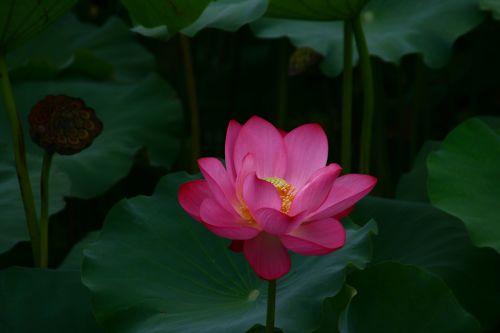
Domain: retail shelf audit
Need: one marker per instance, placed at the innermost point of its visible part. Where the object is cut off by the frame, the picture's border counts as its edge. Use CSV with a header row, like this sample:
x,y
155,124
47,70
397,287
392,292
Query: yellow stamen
x,y
286,191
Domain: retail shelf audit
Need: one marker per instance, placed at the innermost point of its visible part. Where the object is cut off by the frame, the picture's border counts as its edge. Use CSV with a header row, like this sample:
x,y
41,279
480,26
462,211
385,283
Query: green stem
x,y
44,216
347,99
271,306
369,105
20,158
192,101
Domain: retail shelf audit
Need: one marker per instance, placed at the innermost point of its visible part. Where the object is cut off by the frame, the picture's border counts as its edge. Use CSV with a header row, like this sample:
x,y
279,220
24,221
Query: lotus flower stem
x,y
347,99
271,306
192,101
369,105
44,216
20,158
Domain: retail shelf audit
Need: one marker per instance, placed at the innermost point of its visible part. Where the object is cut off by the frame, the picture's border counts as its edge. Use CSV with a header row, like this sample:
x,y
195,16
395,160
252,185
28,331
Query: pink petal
x,y
345,192
233,130
225,224
264,141
267,256
273,221
192,194
247,169
316,190
307,151
218,180
316,238
259,193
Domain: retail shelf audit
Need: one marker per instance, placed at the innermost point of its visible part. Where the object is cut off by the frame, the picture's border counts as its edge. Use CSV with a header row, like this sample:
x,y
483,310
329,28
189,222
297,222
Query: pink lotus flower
x,y
275,194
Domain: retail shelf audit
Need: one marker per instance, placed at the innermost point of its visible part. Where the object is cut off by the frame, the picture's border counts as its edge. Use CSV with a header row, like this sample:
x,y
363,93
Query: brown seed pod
x,y
63,124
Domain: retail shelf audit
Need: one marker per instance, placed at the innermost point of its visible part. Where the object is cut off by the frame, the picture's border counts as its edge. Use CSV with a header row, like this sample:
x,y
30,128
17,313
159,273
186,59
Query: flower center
x,y
286,191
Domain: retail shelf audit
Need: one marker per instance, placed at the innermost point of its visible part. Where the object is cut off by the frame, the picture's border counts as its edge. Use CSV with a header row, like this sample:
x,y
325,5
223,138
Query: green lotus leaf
x,y
109,52
145,114
135,115
22,19
464,179
174,15
418,234
139,114
393,298
45,301
393,29
229,15
154,269
315,10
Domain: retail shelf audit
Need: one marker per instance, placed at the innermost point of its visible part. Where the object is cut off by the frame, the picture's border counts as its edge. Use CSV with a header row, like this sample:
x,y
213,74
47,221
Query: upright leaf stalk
x,y
20,158
44,215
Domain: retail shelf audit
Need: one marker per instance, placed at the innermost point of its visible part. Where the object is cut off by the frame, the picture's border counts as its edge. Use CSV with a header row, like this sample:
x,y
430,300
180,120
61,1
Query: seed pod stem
x,y
20,157
44,215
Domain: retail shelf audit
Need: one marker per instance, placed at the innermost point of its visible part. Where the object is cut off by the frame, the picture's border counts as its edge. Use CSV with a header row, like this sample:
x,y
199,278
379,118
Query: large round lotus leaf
x,y
491,5
21,19
135,115
393,28
106,52
464,180
143,113
174,15
421,235
44,301
315,10
227,15
395,298
13,226
154,269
